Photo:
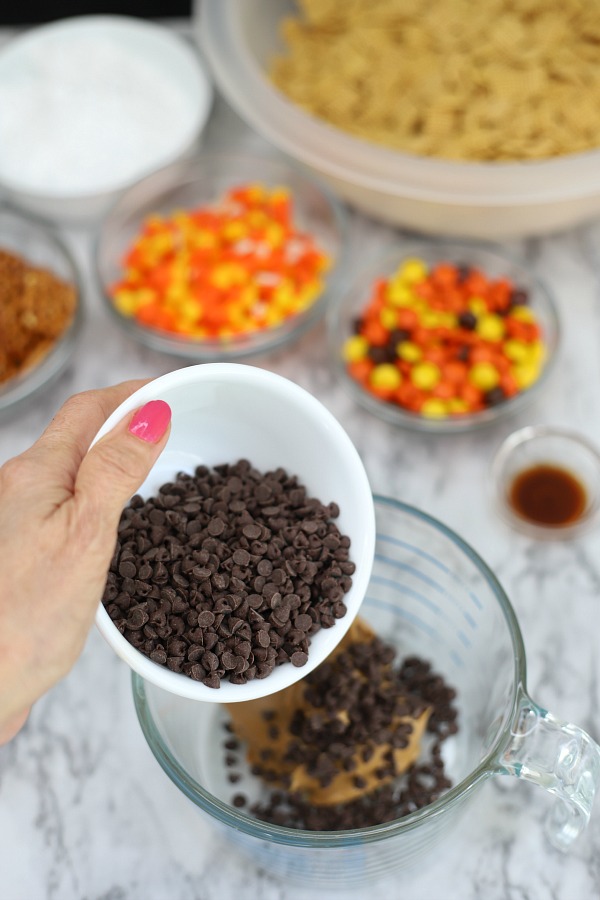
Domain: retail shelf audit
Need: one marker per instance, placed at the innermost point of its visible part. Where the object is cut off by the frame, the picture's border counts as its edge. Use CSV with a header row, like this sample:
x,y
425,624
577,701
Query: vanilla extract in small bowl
x,y
546,482
548,495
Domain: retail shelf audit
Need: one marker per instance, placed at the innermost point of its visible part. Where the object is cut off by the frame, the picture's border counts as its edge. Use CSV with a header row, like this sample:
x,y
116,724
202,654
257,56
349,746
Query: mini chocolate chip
x,y
225,540
262,638
229,660
127,569
137,618
216,527
210,661
241,557
265,567
264,669
303,622
175,663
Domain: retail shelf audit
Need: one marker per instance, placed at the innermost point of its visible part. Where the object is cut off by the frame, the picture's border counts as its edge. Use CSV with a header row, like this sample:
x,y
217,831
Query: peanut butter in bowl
x,y
356,743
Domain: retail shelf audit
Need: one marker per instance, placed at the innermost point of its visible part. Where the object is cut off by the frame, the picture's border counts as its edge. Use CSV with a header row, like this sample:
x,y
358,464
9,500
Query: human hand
x,y
59,510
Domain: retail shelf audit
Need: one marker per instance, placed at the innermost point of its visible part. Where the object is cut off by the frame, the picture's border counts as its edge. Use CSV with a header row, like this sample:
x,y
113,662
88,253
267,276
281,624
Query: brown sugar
x,y
36,307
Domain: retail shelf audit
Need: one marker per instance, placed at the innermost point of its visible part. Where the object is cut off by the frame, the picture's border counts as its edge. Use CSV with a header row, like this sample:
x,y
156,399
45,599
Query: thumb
x,y
114,468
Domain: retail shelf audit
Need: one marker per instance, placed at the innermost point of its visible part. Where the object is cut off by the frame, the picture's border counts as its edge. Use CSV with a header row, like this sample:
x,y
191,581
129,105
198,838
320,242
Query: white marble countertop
x,y
85,811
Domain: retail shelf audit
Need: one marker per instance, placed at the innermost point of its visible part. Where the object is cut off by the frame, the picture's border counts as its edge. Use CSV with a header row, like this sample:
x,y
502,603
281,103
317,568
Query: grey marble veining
x,y
86,813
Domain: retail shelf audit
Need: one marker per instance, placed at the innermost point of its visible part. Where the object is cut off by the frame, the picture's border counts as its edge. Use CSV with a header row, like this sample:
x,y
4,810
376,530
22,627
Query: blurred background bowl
x,y
349,305
484,200
38,244
556,451
200,181
76,163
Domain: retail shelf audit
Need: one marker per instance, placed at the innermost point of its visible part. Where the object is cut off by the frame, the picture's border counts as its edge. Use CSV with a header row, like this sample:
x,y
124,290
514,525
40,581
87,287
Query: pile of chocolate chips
x,y
372,705
228,573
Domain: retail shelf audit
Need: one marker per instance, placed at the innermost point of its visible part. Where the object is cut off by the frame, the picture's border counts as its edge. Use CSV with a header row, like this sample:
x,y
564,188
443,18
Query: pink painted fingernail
x,y
151,421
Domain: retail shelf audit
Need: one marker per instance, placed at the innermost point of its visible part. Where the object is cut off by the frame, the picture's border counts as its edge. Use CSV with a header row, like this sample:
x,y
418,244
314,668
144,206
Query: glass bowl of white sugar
x,y
91,104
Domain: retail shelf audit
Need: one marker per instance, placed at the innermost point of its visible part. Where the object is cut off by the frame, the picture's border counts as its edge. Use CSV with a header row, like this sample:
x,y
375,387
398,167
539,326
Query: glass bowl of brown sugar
x,y
40,307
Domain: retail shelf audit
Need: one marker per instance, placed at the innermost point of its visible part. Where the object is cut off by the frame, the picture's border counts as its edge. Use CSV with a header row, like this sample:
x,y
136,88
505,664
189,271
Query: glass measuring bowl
x,y
429,595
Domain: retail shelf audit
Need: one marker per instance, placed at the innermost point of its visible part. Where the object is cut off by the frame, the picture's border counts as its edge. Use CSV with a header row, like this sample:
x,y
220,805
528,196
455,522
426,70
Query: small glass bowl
x,y
345,309
198,182
38,242
560,449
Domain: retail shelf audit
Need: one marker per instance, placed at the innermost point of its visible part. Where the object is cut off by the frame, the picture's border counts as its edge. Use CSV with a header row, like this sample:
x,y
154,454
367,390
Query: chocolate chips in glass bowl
x,y
227,573
356,743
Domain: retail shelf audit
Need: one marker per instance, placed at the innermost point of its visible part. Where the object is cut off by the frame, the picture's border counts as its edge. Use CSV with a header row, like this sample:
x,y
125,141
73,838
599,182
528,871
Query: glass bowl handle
x,y
561,758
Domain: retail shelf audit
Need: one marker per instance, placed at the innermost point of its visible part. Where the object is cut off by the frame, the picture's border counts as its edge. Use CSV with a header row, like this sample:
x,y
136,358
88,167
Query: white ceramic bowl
x,y
480,200
74,92
223,412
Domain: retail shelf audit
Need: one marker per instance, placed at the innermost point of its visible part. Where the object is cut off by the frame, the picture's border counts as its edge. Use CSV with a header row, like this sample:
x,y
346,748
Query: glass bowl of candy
x,y
40,309
220,257
444,336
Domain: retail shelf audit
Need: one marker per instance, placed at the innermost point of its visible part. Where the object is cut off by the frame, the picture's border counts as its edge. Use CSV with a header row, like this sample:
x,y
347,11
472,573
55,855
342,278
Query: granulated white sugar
x,y
85,112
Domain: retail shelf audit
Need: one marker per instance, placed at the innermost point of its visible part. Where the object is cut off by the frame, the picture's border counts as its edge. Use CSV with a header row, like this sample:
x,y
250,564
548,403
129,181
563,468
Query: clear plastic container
x,y
429,595
480,200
